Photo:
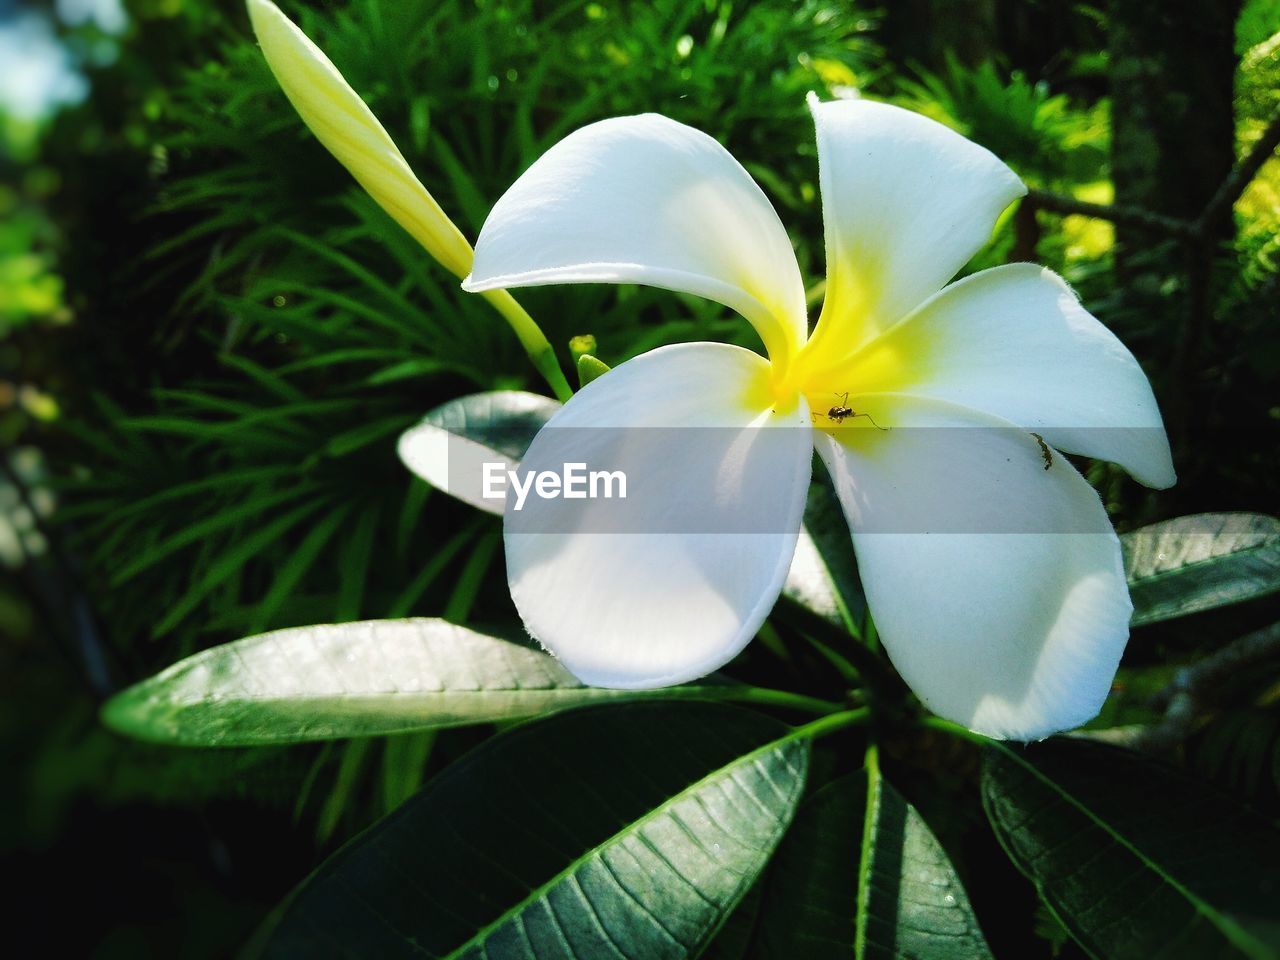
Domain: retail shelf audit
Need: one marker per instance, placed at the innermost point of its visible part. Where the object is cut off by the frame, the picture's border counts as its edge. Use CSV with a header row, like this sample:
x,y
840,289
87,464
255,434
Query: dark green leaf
x,y
254,508
299,562
1134,858
910,902
629,832
440,560
472,577
347,778
736,938
357,437
1199,562
355,566
406,370
861,875
232,561
349,680
404,761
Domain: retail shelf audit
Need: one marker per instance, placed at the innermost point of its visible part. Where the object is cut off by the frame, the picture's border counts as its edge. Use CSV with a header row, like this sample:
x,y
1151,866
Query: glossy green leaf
x,y
625,831
1199,562
1134,858
351,680
448,447
910,900
861,875
736,938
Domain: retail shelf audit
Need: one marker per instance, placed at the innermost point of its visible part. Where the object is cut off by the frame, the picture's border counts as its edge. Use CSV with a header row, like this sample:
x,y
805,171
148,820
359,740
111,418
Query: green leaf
x,y
861,875
346,780
299,562
1134,858
406,527
464,189
254,507
230,562
1200,562
1259,20
448,446
628,831
404,761
404,602
737,936
472,578
910,900
354,571
406,370
352,440
353,680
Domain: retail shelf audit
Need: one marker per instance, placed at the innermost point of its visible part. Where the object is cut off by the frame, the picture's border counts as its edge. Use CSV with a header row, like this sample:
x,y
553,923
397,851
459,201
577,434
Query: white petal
x,y
671,583
647,200
906,203
996,584
1015,342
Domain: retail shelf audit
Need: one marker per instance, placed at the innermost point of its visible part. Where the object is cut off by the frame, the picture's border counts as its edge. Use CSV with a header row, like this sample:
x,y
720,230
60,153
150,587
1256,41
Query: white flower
x,y
1011,622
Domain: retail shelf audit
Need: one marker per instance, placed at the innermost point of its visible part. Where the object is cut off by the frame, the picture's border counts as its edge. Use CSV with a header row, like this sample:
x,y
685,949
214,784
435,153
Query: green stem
x,y
768,636
865,664
780,698
534,341
846,669
870,635
832,723
871,763
955,730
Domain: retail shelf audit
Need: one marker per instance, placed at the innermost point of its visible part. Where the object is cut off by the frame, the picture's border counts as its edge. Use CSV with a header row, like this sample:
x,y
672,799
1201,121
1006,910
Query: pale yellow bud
x,y
347,127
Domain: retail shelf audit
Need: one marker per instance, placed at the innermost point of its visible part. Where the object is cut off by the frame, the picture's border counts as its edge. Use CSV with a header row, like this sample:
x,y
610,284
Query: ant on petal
x,y
842,412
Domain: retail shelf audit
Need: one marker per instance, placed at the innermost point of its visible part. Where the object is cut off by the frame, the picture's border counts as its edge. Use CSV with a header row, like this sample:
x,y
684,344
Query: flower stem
x,y
534,341
766,696
955,730
870,636
832,723
846,669
863,662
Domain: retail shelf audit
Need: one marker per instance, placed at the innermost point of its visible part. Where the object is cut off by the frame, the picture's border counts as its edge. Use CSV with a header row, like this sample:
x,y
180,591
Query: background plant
x,y
217,339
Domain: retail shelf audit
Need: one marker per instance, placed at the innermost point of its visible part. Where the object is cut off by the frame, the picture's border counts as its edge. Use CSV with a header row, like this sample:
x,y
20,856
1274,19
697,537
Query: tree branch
x,y
1217,207
1133,216
1192,688
1241,176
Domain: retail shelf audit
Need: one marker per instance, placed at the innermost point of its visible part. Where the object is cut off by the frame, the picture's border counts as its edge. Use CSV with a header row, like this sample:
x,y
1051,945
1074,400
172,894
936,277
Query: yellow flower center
x,y
834,379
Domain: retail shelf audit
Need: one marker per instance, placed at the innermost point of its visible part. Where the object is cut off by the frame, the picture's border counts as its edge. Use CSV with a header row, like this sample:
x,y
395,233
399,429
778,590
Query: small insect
x,y
843,412
1044,451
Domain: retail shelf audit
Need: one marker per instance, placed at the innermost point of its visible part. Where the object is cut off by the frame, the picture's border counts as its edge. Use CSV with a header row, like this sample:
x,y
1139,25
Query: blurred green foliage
x,y
214,338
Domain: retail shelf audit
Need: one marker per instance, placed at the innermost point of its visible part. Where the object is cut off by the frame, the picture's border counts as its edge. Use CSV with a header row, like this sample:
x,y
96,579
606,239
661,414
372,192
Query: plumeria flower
x,y
1006,611
956,400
